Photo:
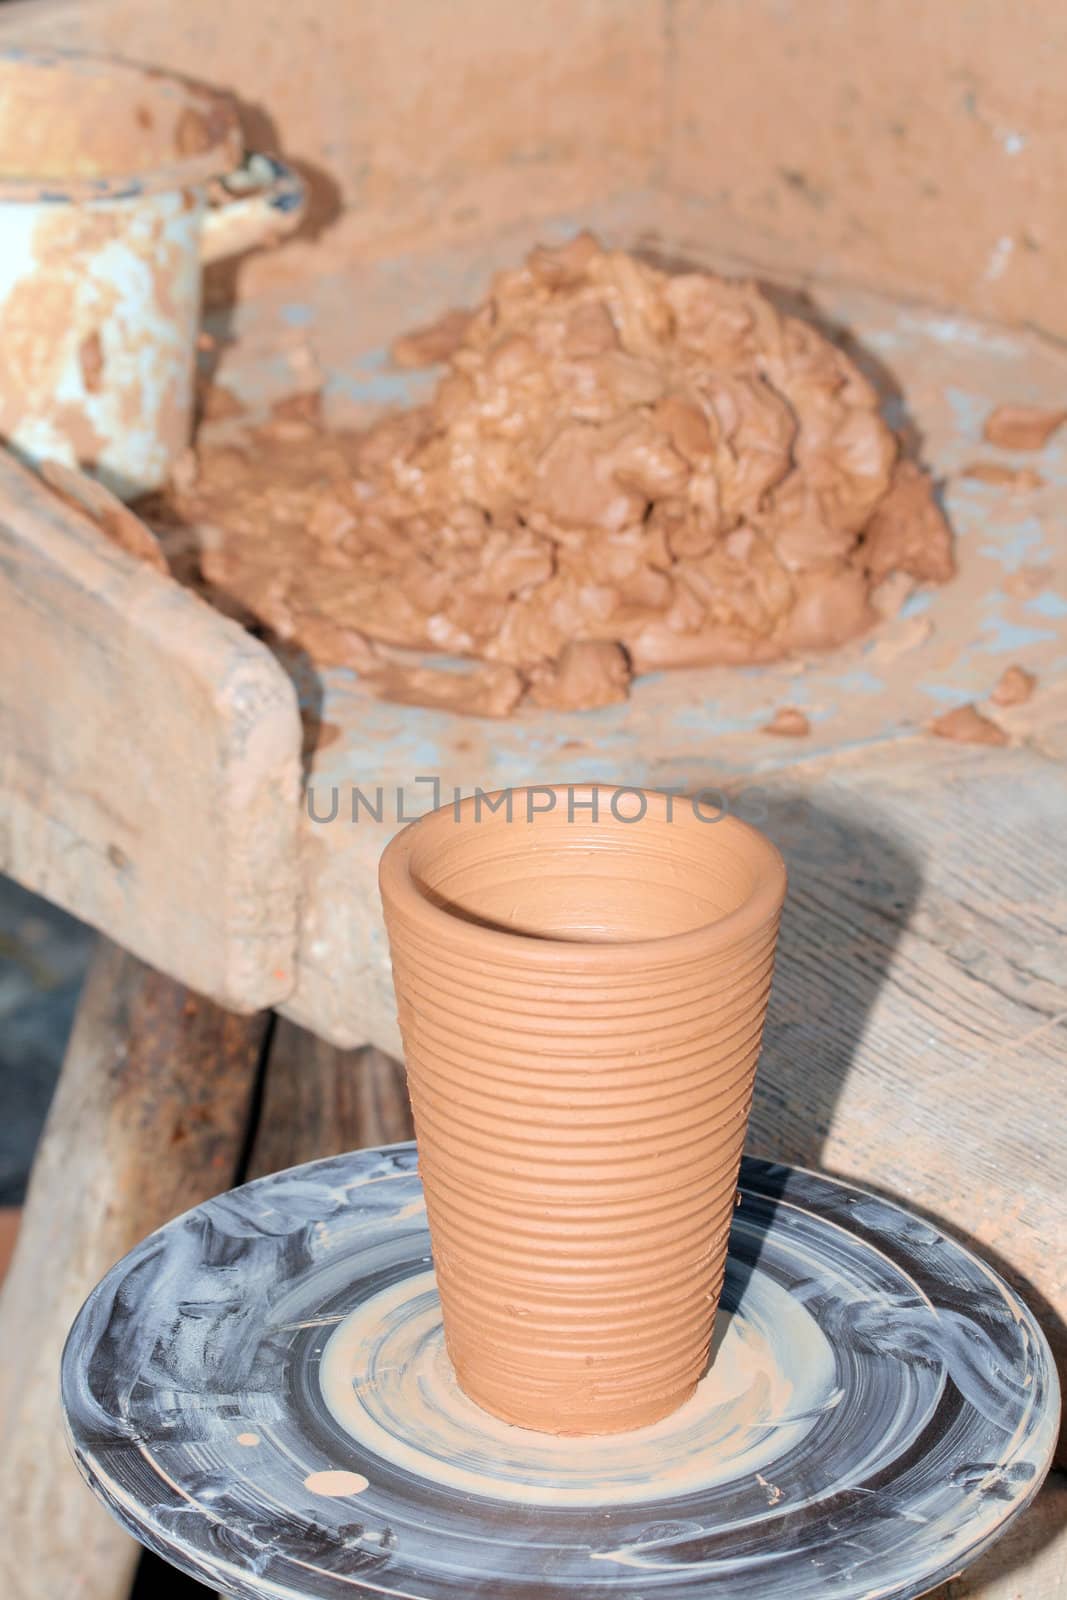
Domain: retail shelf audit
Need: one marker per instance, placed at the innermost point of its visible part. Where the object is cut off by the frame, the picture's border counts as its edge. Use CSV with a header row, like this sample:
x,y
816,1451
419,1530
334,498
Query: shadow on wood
x,y
852,889
319,1101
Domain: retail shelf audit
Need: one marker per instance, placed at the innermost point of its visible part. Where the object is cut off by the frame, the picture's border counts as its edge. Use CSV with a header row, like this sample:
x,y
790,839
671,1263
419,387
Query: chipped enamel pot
x,y
106,170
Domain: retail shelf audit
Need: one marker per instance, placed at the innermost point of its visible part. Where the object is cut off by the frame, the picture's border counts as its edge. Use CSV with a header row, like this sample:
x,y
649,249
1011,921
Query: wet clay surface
x,y
934,649
581,997
620,470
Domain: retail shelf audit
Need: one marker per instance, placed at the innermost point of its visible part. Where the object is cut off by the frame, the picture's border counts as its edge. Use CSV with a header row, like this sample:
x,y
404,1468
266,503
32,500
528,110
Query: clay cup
x,y
581,977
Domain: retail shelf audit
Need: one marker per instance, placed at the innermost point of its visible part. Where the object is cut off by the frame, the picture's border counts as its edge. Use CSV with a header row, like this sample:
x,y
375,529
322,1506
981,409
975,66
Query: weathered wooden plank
x,y
916,1037
148,1119
149,755
320,1101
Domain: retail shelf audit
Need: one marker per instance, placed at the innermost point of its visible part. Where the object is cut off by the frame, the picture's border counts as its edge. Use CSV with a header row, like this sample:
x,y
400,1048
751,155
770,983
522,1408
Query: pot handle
x,y
262,200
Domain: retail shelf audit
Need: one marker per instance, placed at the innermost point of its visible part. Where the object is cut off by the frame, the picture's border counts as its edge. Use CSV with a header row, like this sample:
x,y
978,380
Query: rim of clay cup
x,y
764,901
222,153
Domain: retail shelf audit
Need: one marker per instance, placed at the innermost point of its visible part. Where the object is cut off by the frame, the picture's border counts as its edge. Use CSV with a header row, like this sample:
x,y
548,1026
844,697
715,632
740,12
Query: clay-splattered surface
x,y
915,148
98,308
939,376
618,463
926,912
259,1392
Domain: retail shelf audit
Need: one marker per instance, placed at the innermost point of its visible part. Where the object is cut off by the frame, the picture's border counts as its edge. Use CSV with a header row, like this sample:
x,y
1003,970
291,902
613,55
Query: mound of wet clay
x,y
620,470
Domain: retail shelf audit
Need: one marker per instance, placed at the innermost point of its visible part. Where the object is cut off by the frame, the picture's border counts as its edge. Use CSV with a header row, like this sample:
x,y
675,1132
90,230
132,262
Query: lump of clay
x,y
967,725
1021,479
589,673
620,470
1017,427
1014,686
788,722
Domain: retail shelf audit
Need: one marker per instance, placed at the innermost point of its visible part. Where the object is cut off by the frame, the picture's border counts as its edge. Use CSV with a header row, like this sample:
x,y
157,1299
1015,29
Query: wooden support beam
x,y
149,755
149,1118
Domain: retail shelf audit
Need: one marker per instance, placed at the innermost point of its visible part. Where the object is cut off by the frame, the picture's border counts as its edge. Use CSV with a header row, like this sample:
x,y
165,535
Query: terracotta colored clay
x,y
487,691
1022,427
620,470
889,596
907,533
588,673
438,341
581,1002
1014,687
789,722
1021,479
966,725
215,402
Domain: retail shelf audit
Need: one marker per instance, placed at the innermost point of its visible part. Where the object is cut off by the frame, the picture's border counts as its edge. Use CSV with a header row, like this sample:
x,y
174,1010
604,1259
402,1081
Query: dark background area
x,y
43,956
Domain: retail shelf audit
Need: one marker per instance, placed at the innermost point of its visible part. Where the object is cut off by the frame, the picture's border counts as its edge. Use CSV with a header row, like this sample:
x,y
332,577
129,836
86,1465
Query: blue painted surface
x,y
861,681
1001,637
948,694
1048,604
298,315
1017,544
374,384
968,411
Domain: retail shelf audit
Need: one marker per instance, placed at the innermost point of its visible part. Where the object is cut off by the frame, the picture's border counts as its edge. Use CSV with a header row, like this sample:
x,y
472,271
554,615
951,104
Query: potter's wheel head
x,y
260,1393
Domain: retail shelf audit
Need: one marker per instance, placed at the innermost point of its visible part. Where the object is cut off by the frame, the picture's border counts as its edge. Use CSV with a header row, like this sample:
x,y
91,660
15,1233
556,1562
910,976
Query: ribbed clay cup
x,y
581,1000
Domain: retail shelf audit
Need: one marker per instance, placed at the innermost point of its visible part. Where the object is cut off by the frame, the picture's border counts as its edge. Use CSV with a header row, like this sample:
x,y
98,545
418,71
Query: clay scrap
x,y
1014,687
1020,479
967,725
788,722
1015,427
620,470
115,521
